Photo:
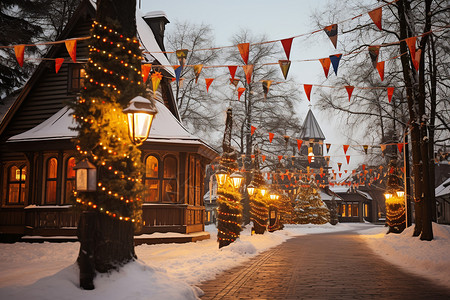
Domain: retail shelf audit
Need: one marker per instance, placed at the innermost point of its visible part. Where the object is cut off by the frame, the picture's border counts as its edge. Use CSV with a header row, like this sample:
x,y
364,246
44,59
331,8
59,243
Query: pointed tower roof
x,y
311,128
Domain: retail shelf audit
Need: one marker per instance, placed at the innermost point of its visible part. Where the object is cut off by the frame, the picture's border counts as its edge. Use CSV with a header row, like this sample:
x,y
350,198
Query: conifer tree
x,y
258,203
309,207
286,210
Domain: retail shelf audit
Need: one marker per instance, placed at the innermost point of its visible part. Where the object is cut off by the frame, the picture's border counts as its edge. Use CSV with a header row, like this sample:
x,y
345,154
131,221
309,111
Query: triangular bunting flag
x,y
328,147
271,136
349,89
240,91
58,64
280,157
248,70
263,157
416,60
308,88
232,70
325,65
19,50
156,79
348,159
71,46
197,70
390,92
181,56
284,65
375,15
266,85
145,70
335,62
252,130
299,144
365,147
345,148
309,159
339,166
340,175
400,147
332,32
383,147
234,81
287,43
244,49
380,68
411,42
178,69
208,83
374,51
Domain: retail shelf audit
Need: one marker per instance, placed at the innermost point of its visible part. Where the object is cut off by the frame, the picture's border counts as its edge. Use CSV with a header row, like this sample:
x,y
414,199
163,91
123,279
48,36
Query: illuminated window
x,y
366,210
355,209
170,179
16,184
343,210
51,180
70,179
349,210
76,78
152,179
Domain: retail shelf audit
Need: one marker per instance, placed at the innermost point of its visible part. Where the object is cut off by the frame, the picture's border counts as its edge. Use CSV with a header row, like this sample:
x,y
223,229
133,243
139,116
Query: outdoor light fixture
x,y
236,179
311,153
221,177
400,194
263,190
250,189
273,196
140,113
388,196
86,176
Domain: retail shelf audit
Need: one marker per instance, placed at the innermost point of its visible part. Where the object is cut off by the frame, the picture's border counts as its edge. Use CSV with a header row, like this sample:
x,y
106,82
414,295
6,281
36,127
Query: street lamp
x,y
236,179
400,194
250,189
388,196
263,190
273,195
221,177
86,176
140,113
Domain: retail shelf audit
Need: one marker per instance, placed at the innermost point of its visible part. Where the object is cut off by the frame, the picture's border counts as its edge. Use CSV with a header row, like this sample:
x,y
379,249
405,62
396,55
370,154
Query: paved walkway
x,y
320,266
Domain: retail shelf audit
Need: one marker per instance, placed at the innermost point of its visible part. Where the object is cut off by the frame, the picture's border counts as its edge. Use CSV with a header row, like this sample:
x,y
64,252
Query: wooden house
x,y
356,206
37,152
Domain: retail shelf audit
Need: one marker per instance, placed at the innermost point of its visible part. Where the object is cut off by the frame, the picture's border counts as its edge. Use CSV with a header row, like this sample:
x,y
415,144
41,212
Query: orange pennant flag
x,y
263,157
248,70
400,147
266,85
339,165
145,70
271,135
252,130
280,157
232,70
332,32
244,50
71,46
299,144
383,147
285,65
287,43
375,15
240,91
411,42
416,60
380,68
156,79
390,92
308,88
349,89
208,83
58,64
348,159
197,70
345,148
19,51
328,147
325,65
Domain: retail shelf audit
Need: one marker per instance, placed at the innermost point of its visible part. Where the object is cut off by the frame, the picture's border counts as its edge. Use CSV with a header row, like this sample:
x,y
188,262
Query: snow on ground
x,y
171,271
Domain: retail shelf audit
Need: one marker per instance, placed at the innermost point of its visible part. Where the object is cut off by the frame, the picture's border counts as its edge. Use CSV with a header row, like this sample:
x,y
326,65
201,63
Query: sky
x,y
284,19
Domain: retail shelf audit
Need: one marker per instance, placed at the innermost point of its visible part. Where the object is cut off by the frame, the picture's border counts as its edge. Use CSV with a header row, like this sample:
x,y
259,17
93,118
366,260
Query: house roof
x,y
443,189
311,128
352,197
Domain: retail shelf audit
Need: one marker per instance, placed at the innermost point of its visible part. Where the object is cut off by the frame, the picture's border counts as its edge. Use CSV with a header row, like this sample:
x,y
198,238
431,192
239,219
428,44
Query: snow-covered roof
x,y
325,196
155,14
165,128
443,189
364,194
339,189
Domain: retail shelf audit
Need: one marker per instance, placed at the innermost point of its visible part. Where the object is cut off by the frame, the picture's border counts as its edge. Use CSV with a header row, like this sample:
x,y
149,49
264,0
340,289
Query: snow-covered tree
x,y
309,207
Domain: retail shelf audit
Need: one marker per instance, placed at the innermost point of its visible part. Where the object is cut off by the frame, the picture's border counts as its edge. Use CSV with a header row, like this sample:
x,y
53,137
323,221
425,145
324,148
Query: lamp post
x,y
85,176
140,113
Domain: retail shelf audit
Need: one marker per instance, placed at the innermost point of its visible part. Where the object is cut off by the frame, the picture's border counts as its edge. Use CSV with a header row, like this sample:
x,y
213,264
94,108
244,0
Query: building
x,y
442,193
356,206
37,152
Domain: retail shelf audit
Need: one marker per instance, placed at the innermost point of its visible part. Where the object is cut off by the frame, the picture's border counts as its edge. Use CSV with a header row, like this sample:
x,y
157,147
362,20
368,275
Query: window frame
x,y
79,79
167,180
67,179
158,178
20,166
47,180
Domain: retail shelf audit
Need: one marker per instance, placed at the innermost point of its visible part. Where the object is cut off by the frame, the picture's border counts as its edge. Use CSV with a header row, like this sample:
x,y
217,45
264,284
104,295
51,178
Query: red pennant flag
x,y
271,135
173,79
156,79
197,70
232,70
416,60
345,171
208,83
400,147
19,50
284,65
325,65
349,89
328,147
268,176
299,144
145,70
263,157
380,68
244,50
58,64
375,15
280,157
340,174
345,148
71,46
287,43
248,70
252,129
348,159
308,88
240,91
390,92
332,32
411,42
309,158
339,166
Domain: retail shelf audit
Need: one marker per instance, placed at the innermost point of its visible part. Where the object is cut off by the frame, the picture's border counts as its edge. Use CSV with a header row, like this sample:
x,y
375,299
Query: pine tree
x,y
286,210
259,212
309,207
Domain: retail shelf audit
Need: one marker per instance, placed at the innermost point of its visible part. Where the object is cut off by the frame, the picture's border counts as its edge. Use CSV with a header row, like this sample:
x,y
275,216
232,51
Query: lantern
x,y
236,179
263,190
221,177
140,113
86,176
400,194
388,196
273,195
250,189
311,153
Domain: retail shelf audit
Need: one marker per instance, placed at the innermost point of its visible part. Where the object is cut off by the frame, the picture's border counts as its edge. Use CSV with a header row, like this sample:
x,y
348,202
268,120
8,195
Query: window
x,y
76,78
349,210
51,180
355,209
151,179
16,184
191,199
70,179
366,210
198,184
343,210
170,180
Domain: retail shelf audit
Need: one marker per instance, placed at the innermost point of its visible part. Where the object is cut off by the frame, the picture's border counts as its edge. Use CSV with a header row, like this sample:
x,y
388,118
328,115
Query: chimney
x,y
157,21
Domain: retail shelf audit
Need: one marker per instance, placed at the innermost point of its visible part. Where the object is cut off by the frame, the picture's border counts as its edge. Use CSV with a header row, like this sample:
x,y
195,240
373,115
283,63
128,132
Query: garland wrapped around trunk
x,y
259,211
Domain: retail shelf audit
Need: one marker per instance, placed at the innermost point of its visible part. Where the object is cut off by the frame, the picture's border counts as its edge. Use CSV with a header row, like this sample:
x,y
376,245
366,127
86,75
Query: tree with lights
x,y
228,195
333,212
286,210
395,202
113,77
309,207
259,212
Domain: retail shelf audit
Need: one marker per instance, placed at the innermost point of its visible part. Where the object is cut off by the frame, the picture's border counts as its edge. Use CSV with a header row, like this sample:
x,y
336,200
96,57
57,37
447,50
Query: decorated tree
x,y
258,201
395,202
309,207
286,210
228,196
333,212
113,78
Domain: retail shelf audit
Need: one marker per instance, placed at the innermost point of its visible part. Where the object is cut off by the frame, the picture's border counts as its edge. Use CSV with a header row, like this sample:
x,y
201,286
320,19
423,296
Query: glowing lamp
x,y
250,189
263,190
221,177
236,179
388,196
311,153
400,194
140,113
273,195
85,176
